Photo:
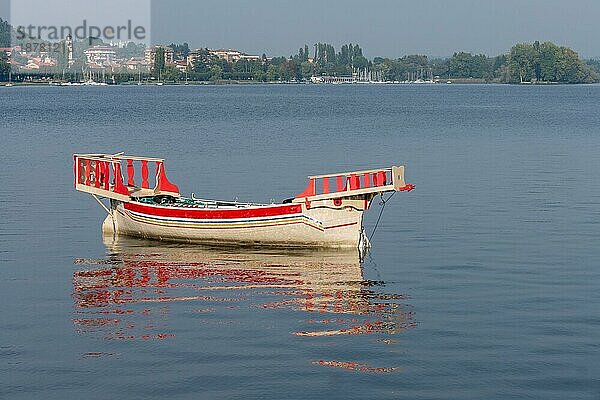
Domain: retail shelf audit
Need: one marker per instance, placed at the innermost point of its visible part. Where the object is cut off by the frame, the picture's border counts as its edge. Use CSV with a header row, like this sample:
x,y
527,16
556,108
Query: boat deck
x,y
187,202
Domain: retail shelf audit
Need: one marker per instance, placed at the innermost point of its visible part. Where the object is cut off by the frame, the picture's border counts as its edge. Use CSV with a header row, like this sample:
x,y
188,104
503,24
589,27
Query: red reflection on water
x,y
121,336
95,354
95,321
354,366
377,326
152,275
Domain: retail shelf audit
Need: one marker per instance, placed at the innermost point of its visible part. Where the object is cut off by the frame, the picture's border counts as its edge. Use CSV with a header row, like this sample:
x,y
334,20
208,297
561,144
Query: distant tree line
x,y
299,67
525,62
538,63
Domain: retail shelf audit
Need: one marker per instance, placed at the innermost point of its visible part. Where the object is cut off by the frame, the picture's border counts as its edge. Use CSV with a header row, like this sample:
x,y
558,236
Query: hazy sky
x,y
390,28
383,27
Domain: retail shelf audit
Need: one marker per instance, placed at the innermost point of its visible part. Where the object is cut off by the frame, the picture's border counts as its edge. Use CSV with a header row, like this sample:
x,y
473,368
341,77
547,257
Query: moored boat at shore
x,y
328,213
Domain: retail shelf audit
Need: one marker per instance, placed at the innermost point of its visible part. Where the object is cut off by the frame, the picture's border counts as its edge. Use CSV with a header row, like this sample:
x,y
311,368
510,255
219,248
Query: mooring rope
x,y
382,203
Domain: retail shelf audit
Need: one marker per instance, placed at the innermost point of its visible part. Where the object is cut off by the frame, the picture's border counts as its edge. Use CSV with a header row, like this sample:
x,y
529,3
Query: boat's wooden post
x,y
367,180
106,175
381,178
75,170
310,190
79,170
101,176
325,185
97,175
145,174
341,183
119,186
81,176
162,183
88,171
398,177
130,173
354,182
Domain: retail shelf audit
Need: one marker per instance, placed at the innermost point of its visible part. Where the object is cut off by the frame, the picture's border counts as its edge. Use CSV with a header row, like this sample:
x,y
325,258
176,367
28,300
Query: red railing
x,y
345,182
102,173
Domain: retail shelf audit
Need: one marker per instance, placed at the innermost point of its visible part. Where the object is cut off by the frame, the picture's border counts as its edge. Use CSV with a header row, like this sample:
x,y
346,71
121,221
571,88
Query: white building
x,y
230,55
100,56
137,64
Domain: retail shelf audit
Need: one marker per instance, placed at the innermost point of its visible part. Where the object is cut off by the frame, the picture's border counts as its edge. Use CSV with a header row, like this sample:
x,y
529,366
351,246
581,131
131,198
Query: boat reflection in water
x,y
130,294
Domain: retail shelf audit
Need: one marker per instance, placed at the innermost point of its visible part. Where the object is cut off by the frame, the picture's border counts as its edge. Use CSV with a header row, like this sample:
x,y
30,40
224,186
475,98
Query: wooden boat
x,y
328,213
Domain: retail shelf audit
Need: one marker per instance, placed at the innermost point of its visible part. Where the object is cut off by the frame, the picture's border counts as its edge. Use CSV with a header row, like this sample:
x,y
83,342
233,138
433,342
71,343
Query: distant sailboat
x,y
91,82
9,77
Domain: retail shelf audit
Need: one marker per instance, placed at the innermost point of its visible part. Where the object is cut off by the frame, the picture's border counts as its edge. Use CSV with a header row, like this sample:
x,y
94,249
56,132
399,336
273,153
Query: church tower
x,y
69,48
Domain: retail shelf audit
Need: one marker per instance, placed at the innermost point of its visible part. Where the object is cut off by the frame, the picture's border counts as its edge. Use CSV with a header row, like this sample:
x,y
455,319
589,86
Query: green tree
x,y
499,66
5,33
130,50
402,68
171,73
307,70
289,70
216,73
593,65
303,54
537,70
202,61
278,60
503,74
259,76
467,65
4,66
273,73
360,62
572,69
159,62
284,72
549,56
547,62
344,56
245,69
522,58
180,51
439,67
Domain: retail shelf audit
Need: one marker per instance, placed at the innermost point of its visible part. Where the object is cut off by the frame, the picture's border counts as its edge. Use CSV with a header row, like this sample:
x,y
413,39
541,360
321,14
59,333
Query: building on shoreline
x,y
100,56
150,54
230,55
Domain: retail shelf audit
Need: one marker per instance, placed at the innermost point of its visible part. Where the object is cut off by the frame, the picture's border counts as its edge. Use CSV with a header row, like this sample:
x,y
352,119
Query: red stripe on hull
x,y
216,213
340,226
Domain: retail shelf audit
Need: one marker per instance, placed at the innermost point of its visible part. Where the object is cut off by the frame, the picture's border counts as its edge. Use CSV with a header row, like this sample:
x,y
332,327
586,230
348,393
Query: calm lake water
x,y
483,283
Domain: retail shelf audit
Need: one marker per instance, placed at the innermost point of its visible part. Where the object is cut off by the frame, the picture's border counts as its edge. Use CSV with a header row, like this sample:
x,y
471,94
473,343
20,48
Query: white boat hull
x,y
313,227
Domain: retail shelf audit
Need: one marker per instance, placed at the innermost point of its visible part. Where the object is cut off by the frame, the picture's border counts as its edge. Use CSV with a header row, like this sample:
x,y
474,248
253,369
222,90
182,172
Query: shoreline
x,y
253,83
